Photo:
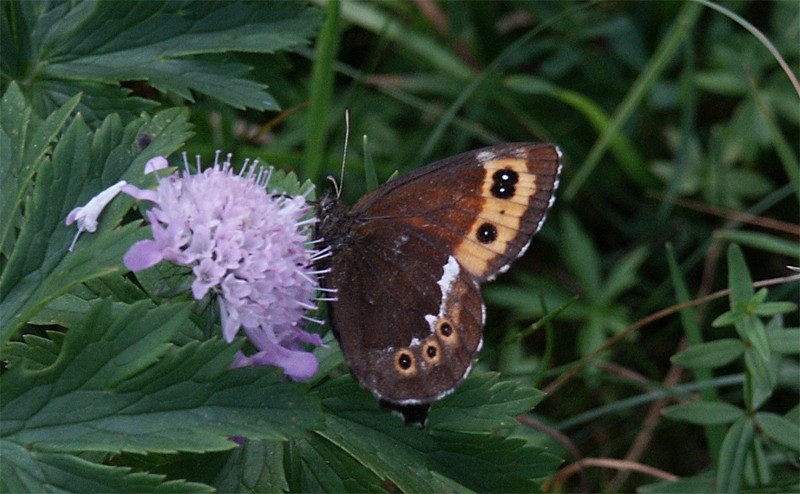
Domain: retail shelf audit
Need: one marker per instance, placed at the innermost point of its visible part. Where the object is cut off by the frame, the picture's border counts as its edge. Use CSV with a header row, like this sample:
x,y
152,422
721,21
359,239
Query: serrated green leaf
x,y
710,355
414,459
378,440
704,412
255,466
483,403
486,464
40,267
92,46
114,388
34,352
318,465
735,446
24,142
23,470
785,341
779,429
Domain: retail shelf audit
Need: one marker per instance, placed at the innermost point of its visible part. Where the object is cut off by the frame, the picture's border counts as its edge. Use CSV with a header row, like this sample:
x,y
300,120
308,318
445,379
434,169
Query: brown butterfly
x,y
407,261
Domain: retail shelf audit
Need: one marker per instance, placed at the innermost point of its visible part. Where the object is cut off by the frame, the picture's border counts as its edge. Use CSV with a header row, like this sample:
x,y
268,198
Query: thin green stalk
x,y
322,90
714,433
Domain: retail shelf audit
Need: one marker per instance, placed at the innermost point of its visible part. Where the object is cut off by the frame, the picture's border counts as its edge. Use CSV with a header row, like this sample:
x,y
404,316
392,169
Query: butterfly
x,y
407,261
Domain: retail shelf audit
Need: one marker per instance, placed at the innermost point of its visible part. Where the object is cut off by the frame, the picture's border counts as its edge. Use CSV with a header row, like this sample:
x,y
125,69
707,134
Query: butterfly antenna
x,y
337,186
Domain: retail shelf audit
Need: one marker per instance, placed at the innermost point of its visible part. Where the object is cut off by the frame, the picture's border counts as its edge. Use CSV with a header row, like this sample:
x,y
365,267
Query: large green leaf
x,y
82,163
180,47
118,385
36,471
373,446
483,403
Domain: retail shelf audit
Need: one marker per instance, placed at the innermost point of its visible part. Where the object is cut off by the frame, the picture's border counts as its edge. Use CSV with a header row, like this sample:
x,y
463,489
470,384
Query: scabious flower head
x,y
247,246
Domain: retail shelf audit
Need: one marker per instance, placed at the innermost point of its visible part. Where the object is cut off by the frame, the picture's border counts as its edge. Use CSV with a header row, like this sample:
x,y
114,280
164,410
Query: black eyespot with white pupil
x,y
446,330
404,361
503,182
431,351
487,233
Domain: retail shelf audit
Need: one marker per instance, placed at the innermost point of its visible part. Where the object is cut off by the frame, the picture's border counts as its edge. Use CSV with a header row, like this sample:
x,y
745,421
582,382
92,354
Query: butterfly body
x,y
408,258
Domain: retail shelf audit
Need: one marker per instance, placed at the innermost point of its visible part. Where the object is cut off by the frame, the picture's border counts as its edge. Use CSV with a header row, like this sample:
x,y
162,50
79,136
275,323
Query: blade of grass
x,y
782,148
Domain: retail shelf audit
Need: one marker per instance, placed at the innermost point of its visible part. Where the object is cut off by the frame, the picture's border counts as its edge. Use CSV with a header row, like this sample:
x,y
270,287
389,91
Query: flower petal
x,y
142,255
157,163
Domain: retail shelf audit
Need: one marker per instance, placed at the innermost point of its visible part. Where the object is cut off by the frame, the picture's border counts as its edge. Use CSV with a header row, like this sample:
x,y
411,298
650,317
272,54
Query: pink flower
x,y
245,245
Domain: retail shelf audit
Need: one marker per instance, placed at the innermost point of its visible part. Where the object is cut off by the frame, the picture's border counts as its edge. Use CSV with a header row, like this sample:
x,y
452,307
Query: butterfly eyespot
x,y
432,354
503,182
445,329
404,362
487,233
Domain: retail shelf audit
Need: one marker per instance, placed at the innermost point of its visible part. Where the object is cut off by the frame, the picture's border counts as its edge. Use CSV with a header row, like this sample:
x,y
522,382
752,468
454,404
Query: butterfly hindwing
x,y
415,343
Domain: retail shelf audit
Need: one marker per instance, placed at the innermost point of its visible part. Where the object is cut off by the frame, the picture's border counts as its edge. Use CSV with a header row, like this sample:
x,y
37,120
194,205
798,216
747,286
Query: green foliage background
x,y
654,309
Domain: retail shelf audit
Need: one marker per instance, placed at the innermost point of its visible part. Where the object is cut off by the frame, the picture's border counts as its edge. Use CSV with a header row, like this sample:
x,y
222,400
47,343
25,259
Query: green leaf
x,y
483,403
23,470
318,465
739,280
785,341
710,355
582,257
423,460
767,309
40,267
704,412
757,469
177,47
34,352
753,332
25,141
762,241
115,388
255,466
625,274
681,486
779,429
727,319
730,469
762,377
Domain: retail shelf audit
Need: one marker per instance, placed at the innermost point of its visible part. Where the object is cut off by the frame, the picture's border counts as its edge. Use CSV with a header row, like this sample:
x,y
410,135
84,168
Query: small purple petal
x,y
140,194
299,365
142,255
157,163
